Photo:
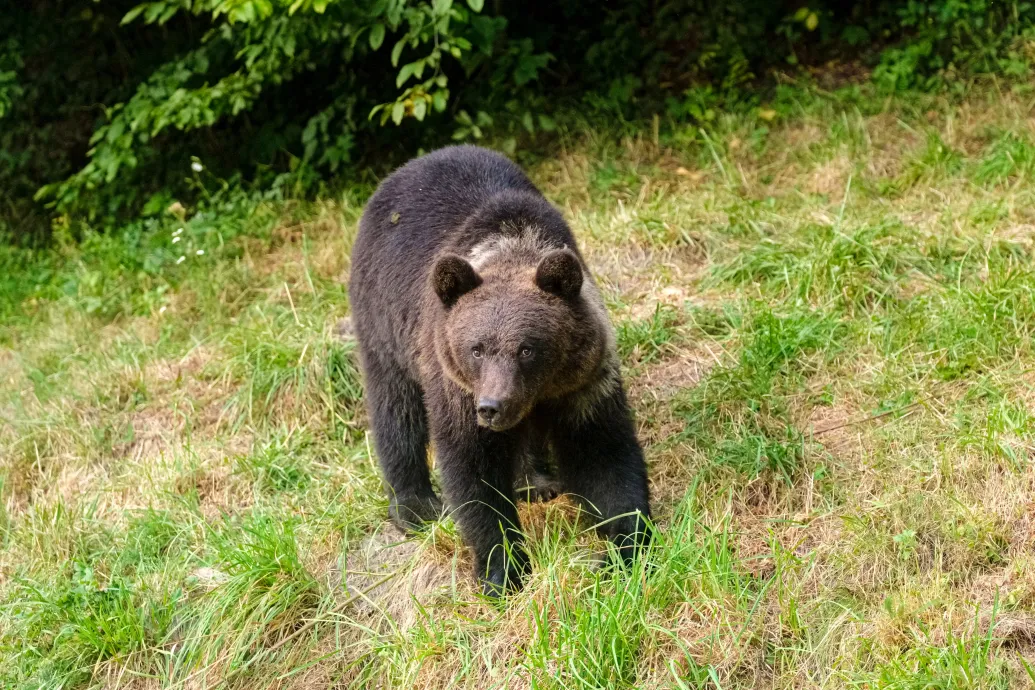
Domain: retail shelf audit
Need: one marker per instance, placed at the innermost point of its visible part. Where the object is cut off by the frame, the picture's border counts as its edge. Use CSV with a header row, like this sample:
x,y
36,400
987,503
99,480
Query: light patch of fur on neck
x,y
528,242
585,402
590,294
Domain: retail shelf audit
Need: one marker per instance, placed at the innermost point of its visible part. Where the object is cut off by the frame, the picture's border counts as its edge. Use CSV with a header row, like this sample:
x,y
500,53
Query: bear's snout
x,y
500,395
488,411
498,415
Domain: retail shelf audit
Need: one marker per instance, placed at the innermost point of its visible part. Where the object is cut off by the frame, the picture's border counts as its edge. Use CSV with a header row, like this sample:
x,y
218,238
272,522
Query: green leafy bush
x,y
117,108
954,38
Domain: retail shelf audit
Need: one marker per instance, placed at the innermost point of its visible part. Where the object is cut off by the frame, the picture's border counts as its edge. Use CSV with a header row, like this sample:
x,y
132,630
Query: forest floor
x,y
825,312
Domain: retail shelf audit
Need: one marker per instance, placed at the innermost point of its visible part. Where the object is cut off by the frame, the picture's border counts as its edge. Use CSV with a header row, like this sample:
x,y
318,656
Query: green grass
x,y
826,325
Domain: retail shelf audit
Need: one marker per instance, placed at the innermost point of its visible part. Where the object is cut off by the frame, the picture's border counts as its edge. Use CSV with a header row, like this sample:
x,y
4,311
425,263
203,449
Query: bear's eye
x,y
476,351
526,352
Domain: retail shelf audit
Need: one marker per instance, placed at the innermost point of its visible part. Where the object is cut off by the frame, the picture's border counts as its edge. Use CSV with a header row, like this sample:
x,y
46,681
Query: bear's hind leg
x,y
399,423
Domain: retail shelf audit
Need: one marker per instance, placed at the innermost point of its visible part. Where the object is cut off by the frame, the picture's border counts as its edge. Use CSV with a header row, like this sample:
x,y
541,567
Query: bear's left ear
x,y
560,273
452,278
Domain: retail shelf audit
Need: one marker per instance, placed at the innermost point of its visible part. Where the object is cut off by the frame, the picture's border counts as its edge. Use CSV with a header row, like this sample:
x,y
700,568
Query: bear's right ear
x,y
452,278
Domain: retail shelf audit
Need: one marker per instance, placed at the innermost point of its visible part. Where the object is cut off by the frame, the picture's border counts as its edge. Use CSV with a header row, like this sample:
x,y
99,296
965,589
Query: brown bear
x,y
481,332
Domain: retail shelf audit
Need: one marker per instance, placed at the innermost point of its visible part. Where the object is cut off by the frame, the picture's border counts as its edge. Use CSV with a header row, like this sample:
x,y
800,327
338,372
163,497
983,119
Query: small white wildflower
x,y
196,166
200,252
181,259
176,239
177,231
162,310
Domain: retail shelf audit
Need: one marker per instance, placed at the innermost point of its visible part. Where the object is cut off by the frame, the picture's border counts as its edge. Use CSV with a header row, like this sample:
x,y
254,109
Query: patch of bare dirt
x,y
181,394
663,380
830,178
710,633
888,143
836,74
396,577
837,428
646,277
800,137
218,491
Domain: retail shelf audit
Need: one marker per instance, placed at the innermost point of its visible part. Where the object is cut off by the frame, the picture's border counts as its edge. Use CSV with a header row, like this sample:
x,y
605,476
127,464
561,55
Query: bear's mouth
x,y
503,420
498,424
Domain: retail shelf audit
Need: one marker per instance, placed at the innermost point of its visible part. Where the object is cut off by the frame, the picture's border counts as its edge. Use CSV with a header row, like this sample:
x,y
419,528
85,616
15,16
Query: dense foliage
x,y
120,108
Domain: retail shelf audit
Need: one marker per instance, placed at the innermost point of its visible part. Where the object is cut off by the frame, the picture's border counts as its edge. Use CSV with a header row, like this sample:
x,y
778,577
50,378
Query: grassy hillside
x,y
825,313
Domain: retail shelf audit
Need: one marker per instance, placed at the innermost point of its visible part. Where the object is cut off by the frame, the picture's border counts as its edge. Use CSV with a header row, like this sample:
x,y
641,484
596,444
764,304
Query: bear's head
x,y
515,335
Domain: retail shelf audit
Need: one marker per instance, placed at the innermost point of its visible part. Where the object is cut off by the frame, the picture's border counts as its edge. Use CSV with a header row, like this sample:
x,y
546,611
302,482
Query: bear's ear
x,y
452,278
560,273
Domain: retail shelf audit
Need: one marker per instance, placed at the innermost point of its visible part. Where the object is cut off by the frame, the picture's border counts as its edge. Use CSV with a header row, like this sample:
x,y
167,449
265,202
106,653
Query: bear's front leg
x,y
601,463
477,469
477,479
400,428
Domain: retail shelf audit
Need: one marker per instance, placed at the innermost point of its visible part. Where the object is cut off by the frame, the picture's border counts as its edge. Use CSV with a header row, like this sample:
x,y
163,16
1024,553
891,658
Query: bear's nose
x,y
488,409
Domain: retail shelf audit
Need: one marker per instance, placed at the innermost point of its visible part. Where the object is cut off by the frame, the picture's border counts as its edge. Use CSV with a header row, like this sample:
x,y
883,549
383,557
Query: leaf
x,y
419,109
153,10
404,74
377,35
767,114
398,110
812,22
800,15
243,13
476,5
546,123
1027,668
397,52
528,66
438,100
115,130
526,120
169,13
133,14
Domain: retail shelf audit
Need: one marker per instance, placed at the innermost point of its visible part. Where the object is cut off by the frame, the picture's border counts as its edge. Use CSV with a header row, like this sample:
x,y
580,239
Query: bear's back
x,y
441,189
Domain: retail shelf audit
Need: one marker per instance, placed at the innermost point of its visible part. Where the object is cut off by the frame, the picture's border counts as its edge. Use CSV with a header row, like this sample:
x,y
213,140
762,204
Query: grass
x,y
826,325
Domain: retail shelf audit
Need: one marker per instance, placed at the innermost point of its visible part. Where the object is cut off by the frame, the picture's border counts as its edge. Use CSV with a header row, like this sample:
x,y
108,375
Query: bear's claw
x,y
501,579
410,513
538,487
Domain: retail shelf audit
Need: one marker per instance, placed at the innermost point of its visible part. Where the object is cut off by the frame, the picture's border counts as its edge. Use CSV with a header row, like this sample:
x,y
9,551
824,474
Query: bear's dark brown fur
x,y
482,333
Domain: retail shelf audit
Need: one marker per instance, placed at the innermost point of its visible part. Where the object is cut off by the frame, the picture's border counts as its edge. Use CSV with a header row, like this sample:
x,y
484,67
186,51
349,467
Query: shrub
x,y
117,108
